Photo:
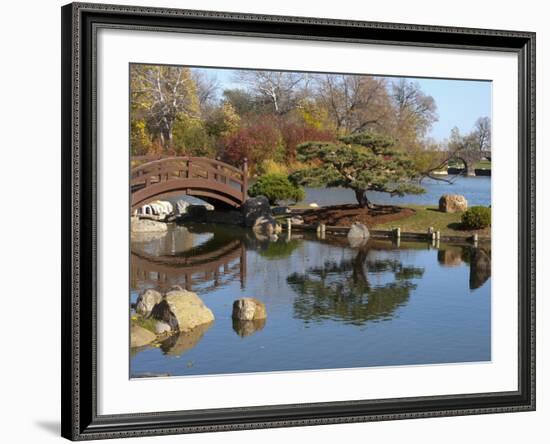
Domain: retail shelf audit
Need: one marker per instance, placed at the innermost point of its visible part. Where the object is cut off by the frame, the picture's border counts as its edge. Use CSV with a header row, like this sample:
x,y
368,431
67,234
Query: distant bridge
x,y
470,158
209,179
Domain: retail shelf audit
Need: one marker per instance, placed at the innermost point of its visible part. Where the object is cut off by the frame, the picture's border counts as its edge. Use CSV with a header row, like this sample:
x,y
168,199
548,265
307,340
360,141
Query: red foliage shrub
x,y
257,142
294,134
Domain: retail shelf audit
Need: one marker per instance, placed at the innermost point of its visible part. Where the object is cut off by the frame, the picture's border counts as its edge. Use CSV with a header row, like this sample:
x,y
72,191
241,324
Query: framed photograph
x,y
282,221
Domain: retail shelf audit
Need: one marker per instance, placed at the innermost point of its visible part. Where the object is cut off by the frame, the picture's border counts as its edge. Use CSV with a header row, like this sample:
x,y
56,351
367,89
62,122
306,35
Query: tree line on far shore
x,y
288,123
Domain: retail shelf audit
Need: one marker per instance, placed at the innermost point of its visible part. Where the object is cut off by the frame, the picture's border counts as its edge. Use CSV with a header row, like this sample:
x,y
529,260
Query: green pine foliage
x,y
362,162
276,187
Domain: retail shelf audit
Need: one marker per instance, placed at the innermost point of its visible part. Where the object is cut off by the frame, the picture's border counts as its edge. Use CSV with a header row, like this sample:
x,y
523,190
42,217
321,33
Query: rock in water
x,y
358,231
358,235
146,226
254,208
266,226
146,301
452,203
248,309
187,308
182,206
140,336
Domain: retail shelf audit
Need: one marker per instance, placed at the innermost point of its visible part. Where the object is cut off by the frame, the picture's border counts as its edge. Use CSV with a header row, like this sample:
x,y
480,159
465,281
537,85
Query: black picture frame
x,y
79,171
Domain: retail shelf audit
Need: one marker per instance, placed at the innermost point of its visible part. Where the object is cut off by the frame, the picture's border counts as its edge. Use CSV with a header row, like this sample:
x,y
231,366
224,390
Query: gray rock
x,y
182,206
248,309
452,203
358,235
146,301
188,309
358,231
254,208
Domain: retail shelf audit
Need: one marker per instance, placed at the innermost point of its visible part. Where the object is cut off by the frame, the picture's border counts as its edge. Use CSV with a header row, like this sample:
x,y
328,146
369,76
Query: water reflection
x,y
178,344
325,286
247,328
343,291
189,259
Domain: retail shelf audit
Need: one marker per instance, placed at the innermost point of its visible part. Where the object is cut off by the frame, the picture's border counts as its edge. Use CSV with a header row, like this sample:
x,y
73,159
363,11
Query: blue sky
x,y
459,102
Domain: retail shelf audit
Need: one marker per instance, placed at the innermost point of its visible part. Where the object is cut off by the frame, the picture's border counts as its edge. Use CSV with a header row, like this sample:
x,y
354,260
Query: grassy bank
x,y
430,216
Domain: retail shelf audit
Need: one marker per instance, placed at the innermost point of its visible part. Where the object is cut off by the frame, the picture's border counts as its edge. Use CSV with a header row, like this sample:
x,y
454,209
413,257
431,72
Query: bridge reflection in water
x,y
207,266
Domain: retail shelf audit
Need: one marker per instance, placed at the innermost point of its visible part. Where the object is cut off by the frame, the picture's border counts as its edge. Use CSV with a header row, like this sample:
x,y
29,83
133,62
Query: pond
x,y
477,191
328,305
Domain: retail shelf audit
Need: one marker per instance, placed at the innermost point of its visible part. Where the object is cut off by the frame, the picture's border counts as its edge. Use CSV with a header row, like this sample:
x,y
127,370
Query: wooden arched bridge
x,y
209,179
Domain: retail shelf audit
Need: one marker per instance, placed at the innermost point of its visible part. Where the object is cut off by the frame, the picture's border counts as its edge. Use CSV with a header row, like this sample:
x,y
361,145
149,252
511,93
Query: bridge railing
x,y
213,170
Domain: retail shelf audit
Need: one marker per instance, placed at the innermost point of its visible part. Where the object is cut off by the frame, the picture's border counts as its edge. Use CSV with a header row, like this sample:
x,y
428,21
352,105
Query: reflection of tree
x,y
342,290
279,249
480,267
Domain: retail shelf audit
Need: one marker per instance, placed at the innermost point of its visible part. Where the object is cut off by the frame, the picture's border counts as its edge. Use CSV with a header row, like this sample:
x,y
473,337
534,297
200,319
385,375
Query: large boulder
x,y
146,226
182,309
146,301
254,208
453,203
182,206
248,309
140,336
358,231
358,235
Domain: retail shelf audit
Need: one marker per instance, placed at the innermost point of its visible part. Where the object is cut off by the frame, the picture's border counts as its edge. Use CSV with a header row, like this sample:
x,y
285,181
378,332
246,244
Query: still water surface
x,y
477,191
328,305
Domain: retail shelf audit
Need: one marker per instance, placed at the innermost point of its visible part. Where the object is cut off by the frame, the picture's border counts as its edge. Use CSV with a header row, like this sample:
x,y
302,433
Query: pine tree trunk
x,y
362,199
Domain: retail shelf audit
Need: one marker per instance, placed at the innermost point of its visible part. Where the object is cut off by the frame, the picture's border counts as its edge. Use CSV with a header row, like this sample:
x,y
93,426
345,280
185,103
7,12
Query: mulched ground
x,y
345,215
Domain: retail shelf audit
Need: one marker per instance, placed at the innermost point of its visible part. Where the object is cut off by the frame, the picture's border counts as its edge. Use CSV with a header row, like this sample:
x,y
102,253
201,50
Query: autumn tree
x,y
279,90
356,103
482,134
161,94
415,111
256,141
362,162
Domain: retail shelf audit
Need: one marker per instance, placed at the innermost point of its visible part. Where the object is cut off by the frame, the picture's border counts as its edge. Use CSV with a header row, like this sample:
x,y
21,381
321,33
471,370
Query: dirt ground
x,y
345,215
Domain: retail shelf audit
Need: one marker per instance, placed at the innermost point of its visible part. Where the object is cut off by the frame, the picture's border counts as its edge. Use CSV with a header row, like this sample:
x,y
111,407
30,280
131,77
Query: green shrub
x,y
476,217
276,187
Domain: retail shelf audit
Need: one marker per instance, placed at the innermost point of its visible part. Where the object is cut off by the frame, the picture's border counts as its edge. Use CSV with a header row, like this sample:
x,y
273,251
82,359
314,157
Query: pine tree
x,y
362,162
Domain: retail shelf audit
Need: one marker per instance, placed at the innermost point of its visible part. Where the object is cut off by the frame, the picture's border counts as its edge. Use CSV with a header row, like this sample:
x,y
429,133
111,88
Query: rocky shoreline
x,y
177,319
